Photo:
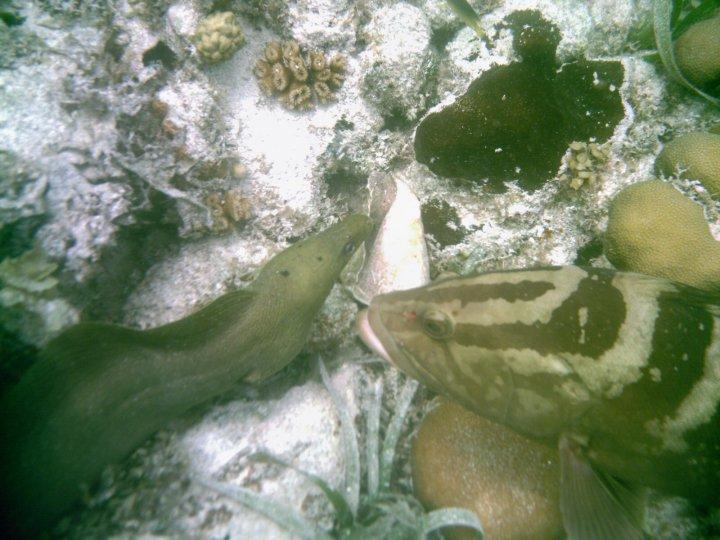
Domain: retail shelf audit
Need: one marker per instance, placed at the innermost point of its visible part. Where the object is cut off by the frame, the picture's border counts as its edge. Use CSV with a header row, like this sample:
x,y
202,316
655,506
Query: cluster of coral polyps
x,y
300,80
228,208
585,163
218,36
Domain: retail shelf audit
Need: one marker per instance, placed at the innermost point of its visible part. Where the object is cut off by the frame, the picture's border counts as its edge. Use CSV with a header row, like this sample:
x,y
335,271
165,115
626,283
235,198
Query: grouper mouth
x,y
379,340
369,337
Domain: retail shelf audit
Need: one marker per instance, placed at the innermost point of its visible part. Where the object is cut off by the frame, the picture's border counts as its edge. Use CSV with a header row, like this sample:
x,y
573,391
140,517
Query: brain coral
x,y
218,36
512,483
697,52
653,229
697,154
299,79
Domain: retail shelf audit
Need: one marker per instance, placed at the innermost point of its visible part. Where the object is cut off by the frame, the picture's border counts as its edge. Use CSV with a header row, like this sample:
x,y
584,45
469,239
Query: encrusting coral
x,y
695,156
653,229
218,36
299,79
585,163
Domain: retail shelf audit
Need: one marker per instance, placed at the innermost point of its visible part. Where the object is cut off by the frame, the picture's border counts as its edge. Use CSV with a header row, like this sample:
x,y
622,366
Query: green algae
x,y
441,221
516,121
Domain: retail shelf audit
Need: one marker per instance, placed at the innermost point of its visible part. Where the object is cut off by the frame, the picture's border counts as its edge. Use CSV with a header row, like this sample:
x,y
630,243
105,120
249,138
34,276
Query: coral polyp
x,y
218,36
300,79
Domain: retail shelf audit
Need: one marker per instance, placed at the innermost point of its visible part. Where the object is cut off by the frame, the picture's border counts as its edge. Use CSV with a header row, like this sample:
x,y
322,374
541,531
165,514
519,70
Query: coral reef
x,y
512,483
697,52
585,164
218,36
653,229
228,208
516,121
113,136
399,64
299,79
270,12
22,201
695,156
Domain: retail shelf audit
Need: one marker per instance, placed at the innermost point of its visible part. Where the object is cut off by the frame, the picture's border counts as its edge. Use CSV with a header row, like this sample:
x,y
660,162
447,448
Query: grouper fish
x,y
99,390
620,371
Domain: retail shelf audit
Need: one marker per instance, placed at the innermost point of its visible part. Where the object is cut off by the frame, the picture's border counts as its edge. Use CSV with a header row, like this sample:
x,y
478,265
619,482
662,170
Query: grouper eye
x,y
437,324
349,248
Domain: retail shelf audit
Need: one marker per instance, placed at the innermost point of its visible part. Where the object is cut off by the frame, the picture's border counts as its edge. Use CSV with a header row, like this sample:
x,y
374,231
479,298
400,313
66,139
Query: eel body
x,y
99,390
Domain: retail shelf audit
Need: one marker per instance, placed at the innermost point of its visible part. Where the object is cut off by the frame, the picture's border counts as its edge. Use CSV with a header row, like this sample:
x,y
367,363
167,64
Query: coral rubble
x,y
399,64
228,208
299,78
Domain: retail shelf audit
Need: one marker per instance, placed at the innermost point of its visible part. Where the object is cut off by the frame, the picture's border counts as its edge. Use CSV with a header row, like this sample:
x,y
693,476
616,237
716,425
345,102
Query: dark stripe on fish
x,y
524,291
680,329
562,334
704,455
677,332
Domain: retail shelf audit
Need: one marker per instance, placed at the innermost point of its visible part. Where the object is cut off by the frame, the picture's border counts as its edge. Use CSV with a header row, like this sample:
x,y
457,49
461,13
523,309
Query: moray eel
x,y
619,371
99,390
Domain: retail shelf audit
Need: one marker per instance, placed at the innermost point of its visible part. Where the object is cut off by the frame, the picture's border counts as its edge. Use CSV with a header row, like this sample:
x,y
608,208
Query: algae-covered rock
x,y
697,155
697,52
653,229
516,121
511,482
218,36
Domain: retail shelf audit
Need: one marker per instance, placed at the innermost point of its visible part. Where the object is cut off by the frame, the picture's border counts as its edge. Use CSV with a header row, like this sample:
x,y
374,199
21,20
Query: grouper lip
x,y
378,339
369,336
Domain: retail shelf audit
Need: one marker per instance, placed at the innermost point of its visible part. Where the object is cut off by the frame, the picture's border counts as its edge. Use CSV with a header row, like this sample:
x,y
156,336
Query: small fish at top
x,y
620,370
468,15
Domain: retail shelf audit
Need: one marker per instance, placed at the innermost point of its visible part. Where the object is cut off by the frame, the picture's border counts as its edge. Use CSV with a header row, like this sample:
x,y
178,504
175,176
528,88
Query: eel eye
x,y
437,324
349,248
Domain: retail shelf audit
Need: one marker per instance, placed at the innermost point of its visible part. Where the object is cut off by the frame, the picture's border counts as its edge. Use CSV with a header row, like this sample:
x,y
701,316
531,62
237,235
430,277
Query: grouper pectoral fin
x,y
594,505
